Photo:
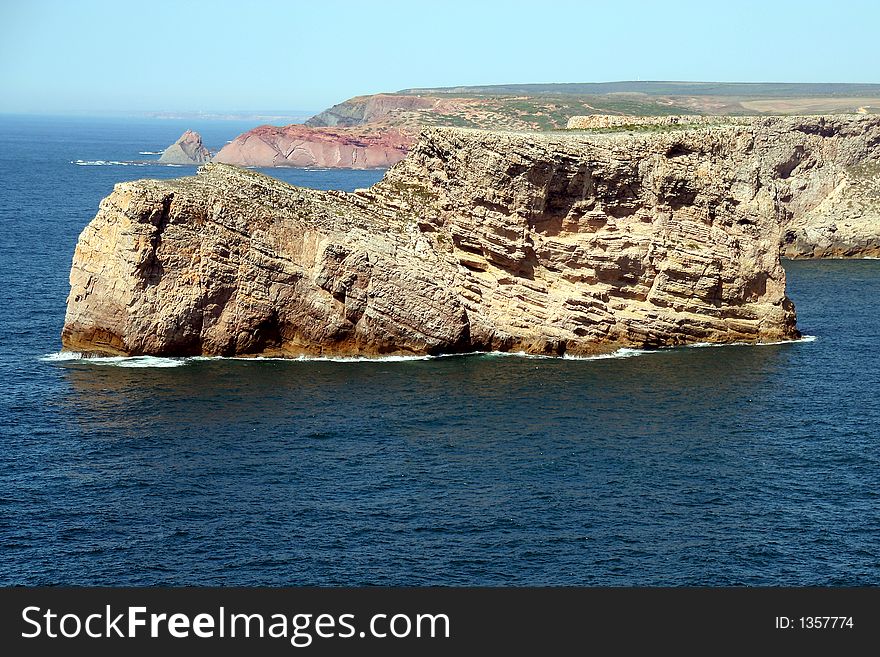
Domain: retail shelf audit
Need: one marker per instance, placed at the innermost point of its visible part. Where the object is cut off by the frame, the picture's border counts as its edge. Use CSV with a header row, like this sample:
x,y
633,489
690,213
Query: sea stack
x,y
186,150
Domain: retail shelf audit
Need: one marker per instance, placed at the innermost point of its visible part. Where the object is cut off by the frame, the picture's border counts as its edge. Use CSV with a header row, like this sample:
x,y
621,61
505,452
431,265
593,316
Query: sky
x,y
157,55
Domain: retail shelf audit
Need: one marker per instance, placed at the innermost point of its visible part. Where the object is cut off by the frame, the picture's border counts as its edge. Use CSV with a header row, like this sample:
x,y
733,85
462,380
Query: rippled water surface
x,y
718,465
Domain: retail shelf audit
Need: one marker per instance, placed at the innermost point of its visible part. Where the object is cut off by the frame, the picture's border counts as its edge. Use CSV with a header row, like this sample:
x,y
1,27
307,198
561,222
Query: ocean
x,y
735,465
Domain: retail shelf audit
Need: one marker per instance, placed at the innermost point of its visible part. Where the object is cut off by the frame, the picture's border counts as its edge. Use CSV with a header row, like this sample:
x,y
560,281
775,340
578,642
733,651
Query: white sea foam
x,y
159,361
503,354
108,163
624,352
120,163
620,353
699,345
360,359
114,361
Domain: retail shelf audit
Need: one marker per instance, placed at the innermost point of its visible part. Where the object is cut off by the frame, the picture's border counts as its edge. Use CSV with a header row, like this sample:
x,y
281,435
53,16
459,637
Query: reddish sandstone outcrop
x,y
302,146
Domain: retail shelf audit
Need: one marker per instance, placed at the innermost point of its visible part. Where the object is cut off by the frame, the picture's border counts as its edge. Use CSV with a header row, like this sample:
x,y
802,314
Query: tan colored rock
x,y
844,223
547,243
827,174
233,262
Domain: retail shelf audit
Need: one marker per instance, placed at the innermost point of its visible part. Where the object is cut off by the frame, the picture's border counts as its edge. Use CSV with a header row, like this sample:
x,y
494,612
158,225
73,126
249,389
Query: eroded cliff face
x,y
365,109
825,173
844,222
234,262
303,146
546,243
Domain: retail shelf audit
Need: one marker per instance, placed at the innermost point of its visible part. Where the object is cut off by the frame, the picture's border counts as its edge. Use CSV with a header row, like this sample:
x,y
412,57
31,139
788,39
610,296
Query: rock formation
x,y
365,109
845,223
560,243
829,188
186,150
301,146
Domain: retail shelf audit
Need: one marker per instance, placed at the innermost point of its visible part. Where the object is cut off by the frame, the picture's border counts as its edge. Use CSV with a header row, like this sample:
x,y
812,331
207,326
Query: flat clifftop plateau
x,y
617,121
302,146
549,243
188,149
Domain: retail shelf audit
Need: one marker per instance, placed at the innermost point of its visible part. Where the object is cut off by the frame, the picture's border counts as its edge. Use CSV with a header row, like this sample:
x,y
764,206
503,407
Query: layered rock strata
x,y
828,184
545,243
302,146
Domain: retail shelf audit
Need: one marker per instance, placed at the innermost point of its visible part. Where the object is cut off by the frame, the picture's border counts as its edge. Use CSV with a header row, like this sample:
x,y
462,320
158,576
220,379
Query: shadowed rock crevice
x,y
151,267
784,169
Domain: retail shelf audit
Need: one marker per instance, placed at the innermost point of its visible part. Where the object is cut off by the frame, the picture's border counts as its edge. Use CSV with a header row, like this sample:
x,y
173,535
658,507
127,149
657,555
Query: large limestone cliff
x,y
547,243
845,222
828,184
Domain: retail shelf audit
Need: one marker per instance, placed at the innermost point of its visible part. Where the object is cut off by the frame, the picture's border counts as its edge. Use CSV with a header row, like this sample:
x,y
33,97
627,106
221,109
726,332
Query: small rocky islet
x,y
188,149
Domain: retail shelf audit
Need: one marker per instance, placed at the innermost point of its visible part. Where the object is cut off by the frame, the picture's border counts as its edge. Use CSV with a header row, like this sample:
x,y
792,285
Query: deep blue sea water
x,y
755,465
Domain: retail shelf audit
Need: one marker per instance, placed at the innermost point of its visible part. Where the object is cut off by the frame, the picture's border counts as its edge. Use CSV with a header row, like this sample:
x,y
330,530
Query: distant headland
x,y
378,130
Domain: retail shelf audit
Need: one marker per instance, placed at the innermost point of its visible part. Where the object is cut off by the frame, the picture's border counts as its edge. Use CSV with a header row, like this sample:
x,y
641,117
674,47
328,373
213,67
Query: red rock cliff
x,y
302,146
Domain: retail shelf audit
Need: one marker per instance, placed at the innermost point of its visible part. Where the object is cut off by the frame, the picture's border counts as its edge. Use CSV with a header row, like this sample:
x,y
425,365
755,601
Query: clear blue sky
x,y
92,55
